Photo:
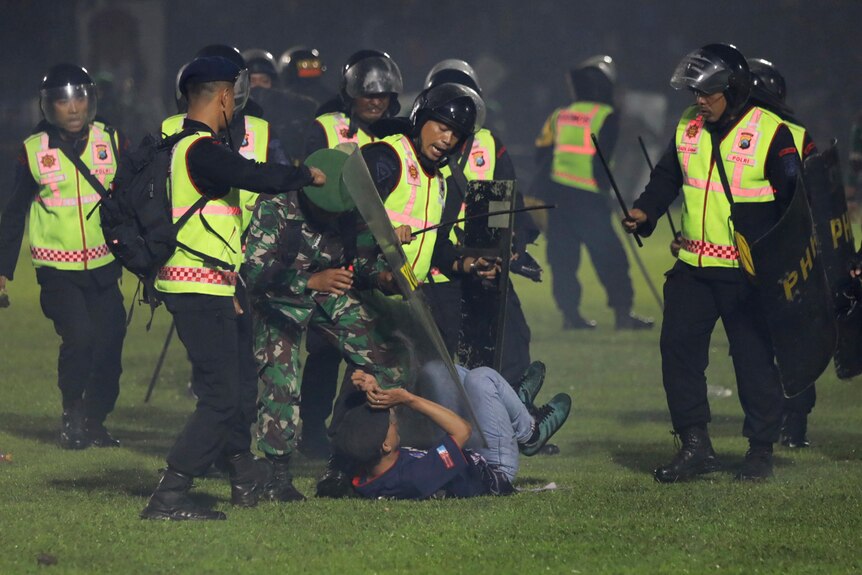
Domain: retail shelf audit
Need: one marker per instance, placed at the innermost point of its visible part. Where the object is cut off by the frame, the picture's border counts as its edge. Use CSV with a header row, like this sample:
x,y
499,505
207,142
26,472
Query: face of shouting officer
x,y
368,109
711,106
436,140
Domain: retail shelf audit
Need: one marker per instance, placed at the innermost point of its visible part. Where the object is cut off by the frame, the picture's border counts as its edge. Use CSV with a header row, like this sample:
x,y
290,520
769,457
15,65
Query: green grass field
x,y
607,515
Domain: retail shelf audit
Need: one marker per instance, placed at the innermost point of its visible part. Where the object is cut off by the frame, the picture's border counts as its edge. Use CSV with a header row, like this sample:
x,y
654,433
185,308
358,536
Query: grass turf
x,y
76,512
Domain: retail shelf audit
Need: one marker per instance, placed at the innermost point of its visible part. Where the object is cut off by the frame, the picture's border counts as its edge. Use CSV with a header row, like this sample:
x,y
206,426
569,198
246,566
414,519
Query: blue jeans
x,y
503,419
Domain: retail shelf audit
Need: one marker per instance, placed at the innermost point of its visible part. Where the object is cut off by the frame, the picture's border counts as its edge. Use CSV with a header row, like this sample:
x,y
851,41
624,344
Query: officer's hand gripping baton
x,y
614,186
651,168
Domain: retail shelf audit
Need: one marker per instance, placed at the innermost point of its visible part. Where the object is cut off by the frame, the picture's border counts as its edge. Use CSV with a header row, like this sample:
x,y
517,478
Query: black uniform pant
x,y
583,218
319,382
802,403
219,345
693,304
90,319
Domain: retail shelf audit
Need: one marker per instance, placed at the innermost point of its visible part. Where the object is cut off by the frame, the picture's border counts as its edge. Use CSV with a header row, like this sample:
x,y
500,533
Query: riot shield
x,y
835,241
405,321
483,302
794,296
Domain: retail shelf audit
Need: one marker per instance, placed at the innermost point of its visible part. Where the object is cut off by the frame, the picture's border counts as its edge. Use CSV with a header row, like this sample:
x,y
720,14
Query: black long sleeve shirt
x,y
214,169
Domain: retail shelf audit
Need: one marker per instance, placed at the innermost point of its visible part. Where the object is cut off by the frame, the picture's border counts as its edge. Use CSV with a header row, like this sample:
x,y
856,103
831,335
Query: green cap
x,y
331,196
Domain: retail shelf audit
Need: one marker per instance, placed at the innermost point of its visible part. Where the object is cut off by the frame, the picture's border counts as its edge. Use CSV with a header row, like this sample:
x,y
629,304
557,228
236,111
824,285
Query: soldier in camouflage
x,y
305,258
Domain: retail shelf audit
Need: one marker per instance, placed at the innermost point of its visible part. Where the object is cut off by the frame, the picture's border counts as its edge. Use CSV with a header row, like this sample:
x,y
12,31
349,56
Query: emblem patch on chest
x,y
48,161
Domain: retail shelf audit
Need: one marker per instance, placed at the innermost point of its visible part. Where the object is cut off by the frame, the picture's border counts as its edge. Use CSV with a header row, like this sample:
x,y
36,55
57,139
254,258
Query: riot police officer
x,y
574,180
370,85
302,72
202,296
63,168
758,156
289,113
769,90
483,156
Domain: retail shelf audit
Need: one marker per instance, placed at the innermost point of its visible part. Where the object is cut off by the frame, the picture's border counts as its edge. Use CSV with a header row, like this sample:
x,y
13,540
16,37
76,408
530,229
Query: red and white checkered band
x,y
198,275
69,256
710,250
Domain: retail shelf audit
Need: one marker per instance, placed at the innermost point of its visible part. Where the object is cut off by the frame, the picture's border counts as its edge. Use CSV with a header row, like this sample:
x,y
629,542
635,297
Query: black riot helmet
x,y
593,79
73,84
299,64
459,72
260,61
451,104
766,80
241,87
369,72
715,68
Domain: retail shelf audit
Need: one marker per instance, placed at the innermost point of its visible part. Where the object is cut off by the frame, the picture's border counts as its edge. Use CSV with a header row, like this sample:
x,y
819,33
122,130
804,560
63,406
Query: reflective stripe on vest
x,y
336,126
60,234
185,272
480,166
254,146
573,148
706,227
417,201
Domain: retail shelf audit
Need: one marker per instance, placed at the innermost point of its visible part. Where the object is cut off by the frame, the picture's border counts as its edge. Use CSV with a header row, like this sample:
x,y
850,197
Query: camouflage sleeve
x,y
369,260
271,263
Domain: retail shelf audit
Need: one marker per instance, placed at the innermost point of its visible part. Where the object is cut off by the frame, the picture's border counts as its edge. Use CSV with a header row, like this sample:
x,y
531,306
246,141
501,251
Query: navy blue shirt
x,y
420,474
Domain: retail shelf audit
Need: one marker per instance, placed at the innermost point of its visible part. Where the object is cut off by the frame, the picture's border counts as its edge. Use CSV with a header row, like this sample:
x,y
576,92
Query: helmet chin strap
x,y
227,129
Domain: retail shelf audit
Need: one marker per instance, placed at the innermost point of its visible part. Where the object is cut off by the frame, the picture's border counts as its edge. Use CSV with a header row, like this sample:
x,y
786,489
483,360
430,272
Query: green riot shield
x,y
835,240
483,303
794,296
405,321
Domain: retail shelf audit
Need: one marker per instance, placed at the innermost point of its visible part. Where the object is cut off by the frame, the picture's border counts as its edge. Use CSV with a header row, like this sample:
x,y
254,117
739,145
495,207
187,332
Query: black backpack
x,y
136,216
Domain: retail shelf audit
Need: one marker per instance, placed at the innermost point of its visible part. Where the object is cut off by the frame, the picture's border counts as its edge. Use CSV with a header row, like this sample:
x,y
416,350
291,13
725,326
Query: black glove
x,y
526,266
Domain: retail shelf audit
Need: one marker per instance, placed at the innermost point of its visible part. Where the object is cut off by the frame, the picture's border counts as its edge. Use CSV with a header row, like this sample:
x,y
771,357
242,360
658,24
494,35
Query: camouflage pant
x,y
349,328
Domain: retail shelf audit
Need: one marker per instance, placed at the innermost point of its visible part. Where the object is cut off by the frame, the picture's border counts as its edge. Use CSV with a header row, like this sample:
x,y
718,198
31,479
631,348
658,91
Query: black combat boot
x,y
98,435
248,478
757,465
280,487
171,501
72,435
695,457
335,483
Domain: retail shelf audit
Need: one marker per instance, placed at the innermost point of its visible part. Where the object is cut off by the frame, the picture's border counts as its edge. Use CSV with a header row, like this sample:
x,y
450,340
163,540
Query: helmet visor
x,y
373,76
701,73
240,90
452,64
69,107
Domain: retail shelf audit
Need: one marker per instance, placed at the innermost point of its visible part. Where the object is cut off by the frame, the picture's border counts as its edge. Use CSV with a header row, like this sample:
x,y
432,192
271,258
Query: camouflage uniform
x,y
284,249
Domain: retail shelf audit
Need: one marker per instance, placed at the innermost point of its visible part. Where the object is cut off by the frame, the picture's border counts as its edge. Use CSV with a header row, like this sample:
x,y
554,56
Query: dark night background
x,y
520,50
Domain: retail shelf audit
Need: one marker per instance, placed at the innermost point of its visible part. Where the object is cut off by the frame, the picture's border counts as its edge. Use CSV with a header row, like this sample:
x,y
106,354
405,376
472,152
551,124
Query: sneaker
x,y
98,435
548,419
757,465
72,434
632,321
794,430
695,457
578,322
530,383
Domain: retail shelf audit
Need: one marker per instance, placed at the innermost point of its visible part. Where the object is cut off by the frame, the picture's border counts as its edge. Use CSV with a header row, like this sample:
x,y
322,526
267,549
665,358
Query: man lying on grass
x,y
368,437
